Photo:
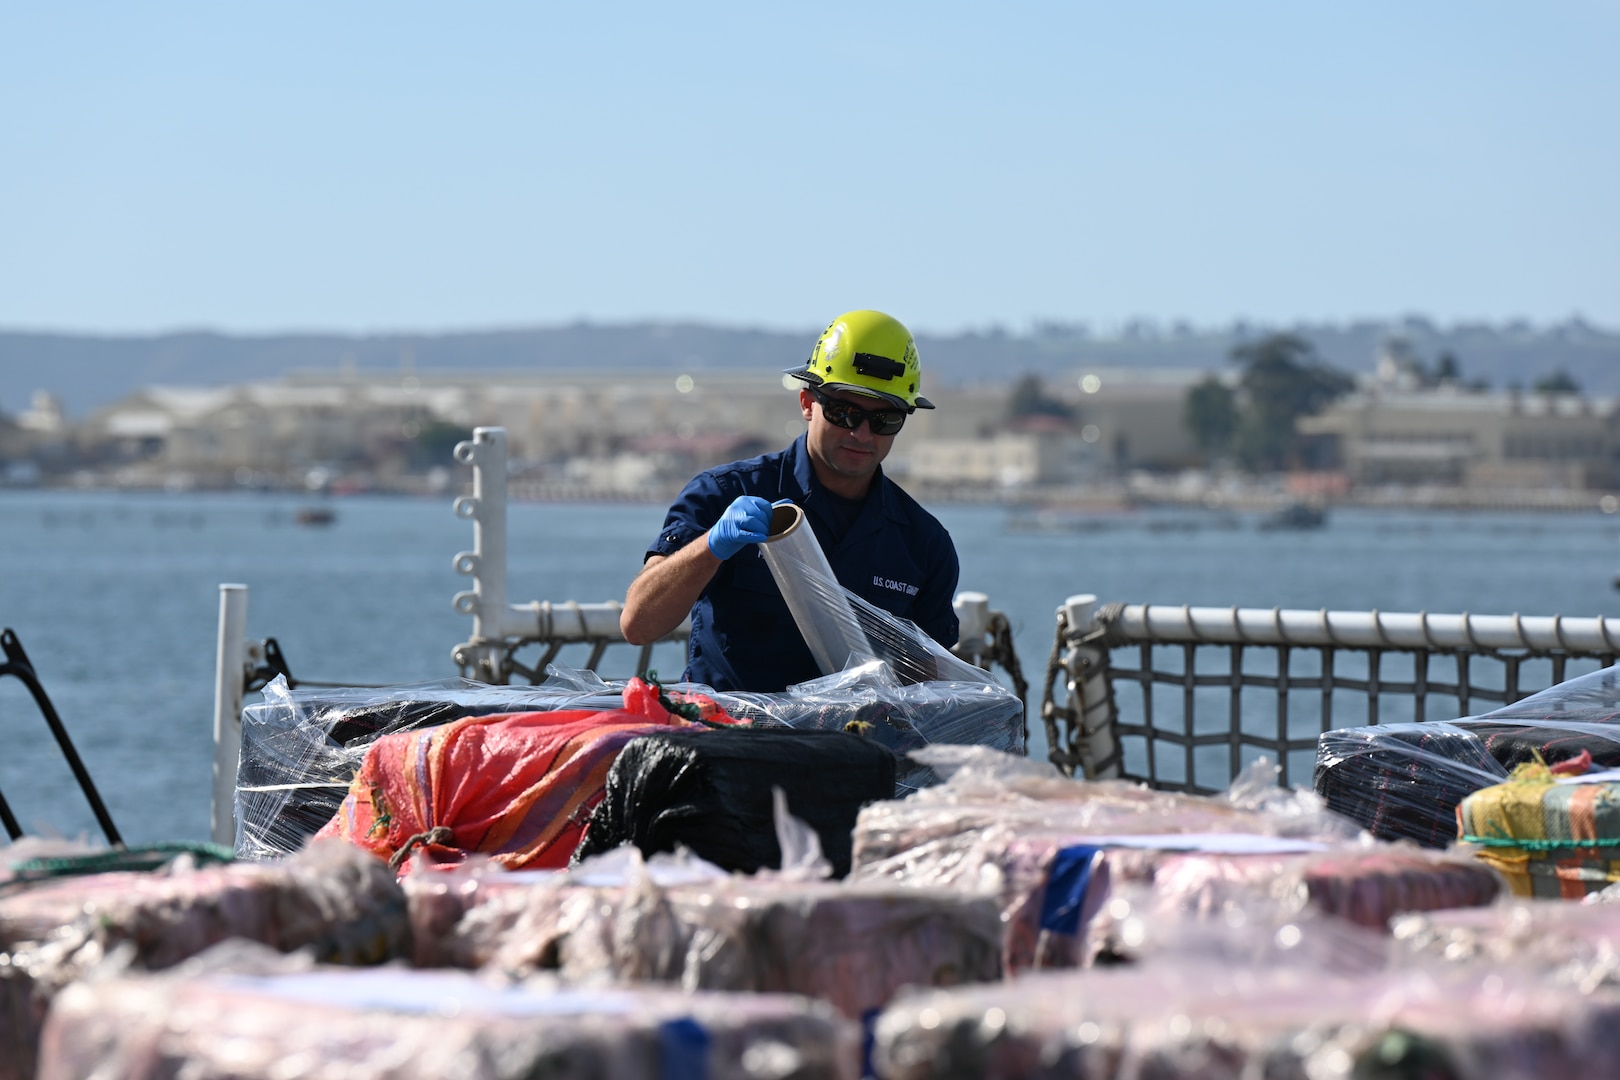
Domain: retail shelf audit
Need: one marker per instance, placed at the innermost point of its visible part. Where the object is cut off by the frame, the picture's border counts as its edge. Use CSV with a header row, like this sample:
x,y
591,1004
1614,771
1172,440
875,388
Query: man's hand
x,y
746,521
668,585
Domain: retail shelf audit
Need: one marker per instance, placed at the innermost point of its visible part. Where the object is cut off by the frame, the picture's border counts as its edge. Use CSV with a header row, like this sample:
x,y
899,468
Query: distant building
x,y
1004,461
44,415
1391,433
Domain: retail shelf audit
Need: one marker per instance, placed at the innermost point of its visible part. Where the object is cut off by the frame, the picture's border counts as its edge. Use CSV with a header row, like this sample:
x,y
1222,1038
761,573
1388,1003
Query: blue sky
x,y
367,166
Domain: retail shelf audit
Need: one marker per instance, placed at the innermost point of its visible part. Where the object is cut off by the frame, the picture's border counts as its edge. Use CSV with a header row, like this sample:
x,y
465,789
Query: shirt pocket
x,y
750,573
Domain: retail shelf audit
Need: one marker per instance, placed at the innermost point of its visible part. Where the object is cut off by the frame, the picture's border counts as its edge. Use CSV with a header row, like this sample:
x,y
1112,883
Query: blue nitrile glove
x,y
746,521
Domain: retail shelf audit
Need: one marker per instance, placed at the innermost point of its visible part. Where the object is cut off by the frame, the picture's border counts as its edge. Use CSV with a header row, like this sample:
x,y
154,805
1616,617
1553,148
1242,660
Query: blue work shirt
x,y
886,549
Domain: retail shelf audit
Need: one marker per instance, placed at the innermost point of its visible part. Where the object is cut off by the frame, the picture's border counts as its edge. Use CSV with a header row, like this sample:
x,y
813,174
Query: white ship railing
x,y
1255,680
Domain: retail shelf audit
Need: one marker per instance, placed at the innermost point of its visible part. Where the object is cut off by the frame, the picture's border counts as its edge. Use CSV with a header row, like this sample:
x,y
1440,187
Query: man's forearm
x,y
665,590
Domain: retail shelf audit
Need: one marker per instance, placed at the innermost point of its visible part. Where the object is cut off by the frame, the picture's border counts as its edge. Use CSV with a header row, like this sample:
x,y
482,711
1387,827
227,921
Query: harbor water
x,y
115,598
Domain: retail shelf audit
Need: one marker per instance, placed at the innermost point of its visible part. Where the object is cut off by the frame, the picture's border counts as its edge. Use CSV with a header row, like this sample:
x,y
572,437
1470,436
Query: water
x,y
115,597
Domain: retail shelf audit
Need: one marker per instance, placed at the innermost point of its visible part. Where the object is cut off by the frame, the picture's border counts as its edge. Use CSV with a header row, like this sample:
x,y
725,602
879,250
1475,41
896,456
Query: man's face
x,y
852,455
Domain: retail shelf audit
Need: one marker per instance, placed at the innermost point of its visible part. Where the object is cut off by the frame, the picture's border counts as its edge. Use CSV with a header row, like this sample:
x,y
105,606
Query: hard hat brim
x,y
813,379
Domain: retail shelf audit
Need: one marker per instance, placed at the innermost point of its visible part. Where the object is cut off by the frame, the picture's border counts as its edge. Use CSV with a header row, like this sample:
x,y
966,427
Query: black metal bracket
x,y
259,676
18,665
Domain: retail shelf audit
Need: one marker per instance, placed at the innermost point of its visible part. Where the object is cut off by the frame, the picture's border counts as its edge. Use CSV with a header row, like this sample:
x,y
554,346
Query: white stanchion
x,y
229,669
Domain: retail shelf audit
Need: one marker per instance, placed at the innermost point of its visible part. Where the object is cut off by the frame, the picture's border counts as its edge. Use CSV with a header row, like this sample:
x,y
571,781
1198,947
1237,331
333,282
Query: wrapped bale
x,y
1052,849
1405,781
1549,836
390,1025
710,791
1199,1020
1364,886
1053,888
853,945
1161,900
439,900
340,904
1577,944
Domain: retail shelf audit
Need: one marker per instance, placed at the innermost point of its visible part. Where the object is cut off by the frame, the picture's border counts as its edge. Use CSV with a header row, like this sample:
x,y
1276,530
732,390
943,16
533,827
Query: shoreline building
x,y
1389,434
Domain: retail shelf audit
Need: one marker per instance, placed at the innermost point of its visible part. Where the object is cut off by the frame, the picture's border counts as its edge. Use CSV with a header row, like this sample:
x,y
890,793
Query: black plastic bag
x,y
710,791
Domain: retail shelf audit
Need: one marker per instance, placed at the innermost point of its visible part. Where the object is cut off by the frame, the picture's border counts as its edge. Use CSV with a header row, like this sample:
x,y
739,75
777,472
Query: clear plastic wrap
x,y
840,627
302,748
1405,781
1197,1018
334,902
680,921
820,608
260,1023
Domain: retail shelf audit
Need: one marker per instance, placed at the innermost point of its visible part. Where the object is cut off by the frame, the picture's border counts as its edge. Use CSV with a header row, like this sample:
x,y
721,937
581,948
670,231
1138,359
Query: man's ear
x,y
807,405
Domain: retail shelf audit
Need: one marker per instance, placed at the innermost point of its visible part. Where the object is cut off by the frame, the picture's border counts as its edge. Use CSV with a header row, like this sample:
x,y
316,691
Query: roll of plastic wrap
x,y
819,605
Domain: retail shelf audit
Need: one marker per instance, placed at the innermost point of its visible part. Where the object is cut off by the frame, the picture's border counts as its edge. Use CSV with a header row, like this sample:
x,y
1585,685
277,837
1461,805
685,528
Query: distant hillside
x,y
87,372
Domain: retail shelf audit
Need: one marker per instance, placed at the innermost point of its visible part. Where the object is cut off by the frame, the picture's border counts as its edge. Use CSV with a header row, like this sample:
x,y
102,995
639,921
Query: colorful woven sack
x,y
1551,836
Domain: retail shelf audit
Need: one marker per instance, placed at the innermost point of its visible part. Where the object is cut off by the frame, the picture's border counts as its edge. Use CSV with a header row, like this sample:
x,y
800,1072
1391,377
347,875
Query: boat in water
x,y
1294,516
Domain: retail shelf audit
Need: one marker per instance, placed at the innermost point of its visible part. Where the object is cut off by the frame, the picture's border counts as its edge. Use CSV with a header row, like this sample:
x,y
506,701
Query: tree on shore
x,y
1210,414
1559,382
1283,379
1029,398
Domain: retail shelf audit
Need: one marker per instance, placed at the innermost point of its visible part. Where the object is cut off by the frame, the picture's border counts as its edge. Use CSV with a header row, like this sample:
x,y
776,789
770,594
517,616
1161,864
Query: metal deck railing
x,y
1213,687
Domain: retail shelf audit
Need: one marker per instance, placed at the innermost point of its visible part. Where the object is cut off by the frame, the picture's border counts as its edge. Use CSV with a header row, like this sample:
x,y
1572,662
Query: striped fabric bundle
x,y
518,788
1549,837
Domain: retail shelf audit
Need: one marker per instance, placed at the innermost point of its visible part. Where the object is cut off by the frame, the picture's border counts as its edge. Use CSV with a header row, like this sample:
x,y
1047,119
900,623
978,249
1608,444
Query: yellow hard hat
x,y
869,353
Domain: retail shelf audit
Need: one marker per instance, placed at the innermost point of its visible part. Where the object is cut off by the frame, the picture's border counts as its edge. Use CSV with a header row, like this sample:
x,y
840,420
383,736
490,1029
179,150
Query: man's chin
x,y
852,463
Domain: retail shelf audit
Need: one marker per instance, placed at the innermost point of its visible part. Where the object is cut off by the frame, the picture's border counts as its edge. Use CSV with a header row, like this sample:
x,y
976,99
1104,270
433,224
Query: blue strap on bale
x,y
683,1050
1066,885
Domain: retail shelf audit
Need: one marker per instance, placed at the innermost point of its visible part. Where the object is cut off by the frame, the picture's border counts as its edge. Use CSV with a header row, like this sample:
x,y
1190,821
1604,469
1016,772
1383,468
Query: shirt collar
x,y
804,475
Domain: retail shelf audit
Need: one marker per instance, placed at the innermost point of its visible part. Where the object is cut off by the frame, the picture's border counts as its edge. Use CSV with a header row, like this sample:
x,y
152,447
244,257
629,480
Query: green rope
x,y
143,857
1540,845
689,711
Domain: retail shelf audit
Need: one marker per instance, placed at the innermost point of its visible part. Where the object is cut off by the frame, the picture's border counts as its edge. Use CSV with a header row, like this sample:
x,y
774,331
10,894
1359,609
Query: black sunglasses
x,y
850,417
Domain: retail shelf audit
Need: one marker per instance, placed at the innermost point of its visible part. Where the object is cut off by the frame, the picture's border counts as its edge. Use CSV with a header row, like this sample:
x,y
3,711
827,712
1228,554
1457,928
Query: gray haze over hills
x,y
87,372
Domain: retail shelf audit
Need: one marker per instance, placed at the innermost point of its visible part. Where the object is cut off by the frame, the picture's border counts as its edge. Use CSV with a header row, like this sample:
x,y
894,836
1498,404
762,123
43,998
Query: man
x,y
860,385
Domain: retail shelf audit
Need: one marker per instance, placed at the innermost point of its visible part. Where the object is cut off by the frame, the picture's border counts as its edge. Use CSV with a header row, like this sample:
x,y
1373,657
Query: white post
x,y
229,659
1088,687
493,618
973,622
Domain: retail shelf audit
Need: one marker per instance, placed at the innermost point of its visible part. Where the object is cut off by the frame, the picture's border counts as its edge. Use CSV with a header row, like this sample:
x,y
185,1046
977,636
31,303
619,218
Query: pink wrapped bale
x,y
1201,1021
1577,943
340,903
1052,849
854,945
439,903
335,1024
